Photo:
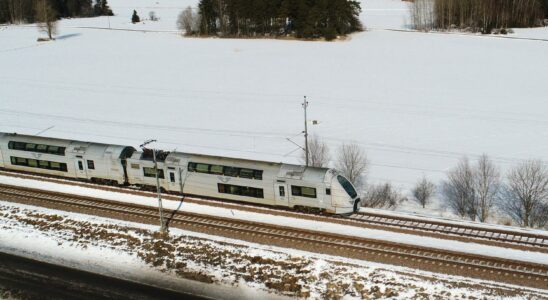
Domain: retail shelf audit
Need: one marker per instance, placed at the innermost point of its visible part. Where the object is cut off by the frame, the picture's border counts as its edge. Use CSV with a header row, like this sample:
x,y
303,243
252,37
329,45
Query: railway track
x,y
430,259
468,232
452,228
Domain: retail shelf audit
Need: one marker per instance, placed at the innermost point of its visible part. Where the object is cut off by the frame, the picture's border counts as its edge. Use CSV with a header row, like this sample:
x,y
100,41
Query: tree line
x,y
478,15
255,18
25,11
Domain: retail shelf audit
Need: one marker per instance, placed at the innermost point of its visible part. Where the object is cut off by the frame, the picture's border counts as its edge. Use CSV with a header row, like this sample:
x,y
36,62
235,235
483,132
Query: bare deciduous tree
x,y
382,196
458,190
423,191
422,14
352,162
487,185
525,198
46,17
152,16
318,153
188,21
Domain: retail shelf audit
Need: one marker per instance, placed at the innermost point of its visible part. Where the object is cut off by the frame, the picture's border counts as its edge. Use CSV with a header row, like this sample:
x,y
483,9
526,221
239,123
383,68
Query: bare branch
x,y
525,198
188,21
318,153
458,190
46,18
487,186
382,196
423,191
352,162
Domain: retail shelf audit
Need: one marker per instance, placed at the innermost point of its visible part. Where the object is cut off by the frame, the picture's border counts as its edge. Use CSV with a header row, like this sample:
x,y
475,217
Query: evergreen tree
x,y
208,17
300,18
106,9
101,8
135,18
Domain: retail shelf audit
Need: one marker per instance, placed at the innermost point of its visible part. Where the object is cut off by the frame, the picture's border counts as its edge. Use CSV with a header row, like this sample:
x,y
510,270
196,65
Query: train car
x,y
260,182
65,158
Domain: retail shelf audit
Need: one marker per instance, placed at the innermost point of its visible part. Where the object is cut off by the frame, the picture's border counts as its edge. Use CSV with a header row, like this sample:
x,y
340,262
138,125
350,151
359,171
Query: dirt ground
x,y
290,273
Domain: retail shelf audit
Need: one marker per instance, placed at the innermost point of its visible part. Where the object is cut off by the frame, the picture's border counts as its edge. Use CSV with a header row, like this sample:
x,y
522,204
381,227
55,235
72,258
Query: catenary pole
x,y
305,105
163,228
158,190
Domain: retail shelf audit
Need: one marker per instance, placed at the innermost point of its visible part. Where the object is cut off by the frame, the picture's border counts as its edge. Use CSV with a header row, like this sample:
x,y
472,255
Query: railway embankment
x,y
240,270
450,257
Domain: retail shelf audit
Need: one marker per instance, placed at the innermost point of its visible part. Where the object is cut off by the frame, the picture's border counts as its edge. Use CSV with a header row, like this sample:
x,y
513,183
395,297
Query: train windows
x,y
149,172
91,165
303,191
80,165
308,192
34,163
135,166
171,176
202,168
240,190
16,145
347,186
328,191
282,191
41,148
217,170
225,171
231,172
32,147
53,149
247,173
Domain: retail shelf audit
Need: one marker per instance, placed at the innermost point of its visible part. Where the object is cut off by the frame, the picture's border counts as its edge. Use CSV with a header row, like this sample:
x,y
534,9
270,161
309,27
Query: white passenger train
x,y
261,182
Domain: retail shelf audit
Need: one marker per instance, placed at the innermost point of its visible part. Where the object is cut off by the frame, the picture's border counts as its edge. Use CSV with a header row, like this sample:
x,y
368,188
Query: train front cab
x,y
344,197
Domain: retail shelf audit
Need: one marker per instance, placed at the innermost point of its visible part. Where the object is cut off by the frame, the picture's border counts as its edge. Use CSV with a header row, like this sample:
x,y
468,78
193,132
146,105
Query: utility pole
x,y
305,105
158,190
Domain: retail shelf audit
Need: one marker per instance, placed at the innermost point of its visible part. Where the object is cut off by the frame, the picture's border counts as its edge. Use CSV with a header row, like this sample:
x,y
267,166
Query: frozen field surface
x,y
417,102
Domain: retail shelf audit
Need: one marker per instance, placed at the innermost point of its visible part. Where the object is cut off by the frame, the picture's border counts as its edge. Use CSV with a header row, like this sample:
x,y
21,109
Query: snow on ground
x,y
220,267
417,102
472,248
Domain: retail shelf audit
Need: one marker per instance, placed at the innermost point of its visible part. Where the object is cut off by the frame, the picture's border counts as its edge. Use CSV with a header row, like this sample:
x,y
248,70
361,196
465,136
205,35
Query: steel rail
x,y
431,259
451,228
517,239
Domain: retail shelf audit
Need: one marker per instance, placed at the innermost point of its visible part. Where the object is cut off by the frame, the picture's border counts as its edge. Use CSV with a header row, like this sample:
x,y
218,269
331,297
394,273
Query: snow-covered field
x,y
219,267
417,102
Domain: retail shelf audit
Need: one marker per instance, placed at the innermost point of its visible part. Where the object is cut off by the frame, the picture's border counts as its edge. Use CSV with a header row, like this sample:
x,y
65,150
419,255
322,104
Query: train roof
x,y
286,170
88,148
290,171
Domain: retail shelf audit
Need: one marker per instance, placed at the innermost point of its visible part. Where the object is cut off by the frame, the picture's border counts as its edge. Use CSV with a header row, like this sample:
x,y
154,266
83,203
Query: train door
x,y
80,168
173,179
281,191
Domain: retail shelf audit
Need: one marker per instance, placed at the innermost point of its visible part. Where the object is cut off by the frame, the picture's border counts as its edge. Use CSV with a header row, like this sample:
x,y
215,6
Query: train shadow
x,y
174,212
